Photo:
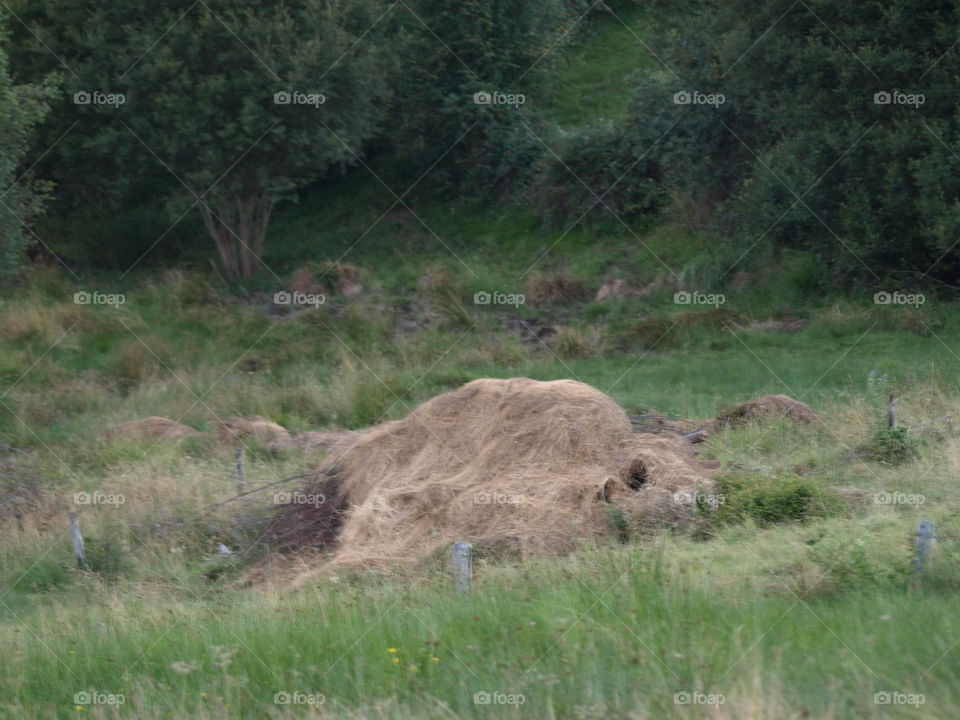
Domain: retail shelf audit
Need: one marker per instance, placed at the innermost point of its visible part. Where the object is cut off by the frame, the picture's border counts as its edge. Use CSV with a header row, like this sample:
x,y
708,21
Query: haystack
x,y
768,406
535,465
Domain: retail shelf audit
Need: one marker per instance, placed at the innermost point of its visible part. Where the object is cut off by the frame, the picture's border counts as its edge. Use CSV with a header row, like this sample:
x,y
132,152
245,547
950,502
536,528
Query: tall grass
x,y
801,614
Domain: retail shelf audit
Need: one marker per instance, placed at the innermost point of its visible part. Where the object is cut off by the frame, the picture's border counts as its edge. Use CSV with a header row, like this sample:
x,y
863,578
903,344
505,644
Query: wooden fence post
x,y
241,472
892,412
923,545
77,540
462,564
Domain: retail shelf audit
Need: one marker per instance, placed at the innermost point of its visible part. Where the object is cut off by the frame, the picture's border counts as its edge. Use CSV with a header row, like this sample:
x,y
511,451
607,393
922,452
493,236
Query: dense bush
x,y
21,108
813,148
455,50
595,169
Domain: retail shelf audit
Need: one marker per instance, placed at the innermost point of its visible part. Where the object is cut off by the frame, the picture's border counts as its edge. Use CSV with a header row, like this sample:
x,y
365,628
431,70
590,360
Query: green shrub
x,y
107,557
892,445
805,141
771,500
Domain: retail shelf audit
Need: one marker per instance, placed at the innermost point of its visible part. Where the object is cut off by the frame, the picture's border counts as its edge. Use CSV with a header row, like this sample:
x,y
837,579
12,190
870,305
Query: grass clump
x,y
768,500
557,287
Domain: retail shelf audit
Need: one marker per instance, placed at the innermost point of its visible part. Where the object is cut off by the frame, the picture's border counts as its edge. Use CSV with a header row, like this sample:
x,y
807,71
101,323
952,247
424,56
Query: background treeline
x,y
799,158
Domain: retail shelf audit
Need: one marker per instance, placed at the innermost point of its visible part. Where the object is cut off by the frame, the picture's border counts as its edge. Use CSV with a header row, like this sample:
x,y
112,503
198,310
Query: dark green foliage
x,y
456,50
596,169
21,108
206,118
800,154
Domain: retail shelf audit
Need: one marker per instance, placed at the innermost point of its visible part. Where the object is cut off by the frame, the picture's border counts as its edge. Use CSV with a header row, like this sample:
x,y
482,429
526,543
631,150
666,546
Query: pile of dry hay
x,y
517,464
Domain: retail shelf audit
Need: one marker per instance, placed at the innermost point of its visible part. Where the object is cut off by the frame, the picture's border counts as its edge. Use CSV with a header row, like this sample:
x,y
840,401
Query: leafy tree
x,y
241,102
21,198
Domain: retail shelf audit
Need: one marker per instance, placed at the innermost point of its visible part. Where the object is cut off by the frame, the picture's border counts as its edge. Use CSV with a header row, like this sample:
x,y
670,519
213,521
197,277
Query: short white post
x,y
241,472
462,564
923,545
77,539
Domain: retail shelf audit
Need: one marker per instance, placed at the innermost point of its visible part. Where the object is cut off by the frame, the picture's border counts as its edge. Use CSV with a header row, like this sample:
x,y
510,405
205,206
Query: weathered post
x,y
462,564
923,545
892,412
77,540
241,472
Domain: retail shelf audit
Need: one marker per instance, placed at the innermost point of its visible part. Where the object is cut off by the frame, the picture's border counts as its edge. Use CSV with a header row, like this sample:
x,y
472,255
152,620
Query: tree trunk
x,y
238,226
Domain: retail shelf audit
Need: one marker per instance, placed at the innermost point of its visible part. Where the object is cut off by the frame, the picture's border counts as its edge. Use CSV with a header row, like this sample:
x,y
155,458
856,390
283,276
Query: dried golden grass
x,y
765,407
